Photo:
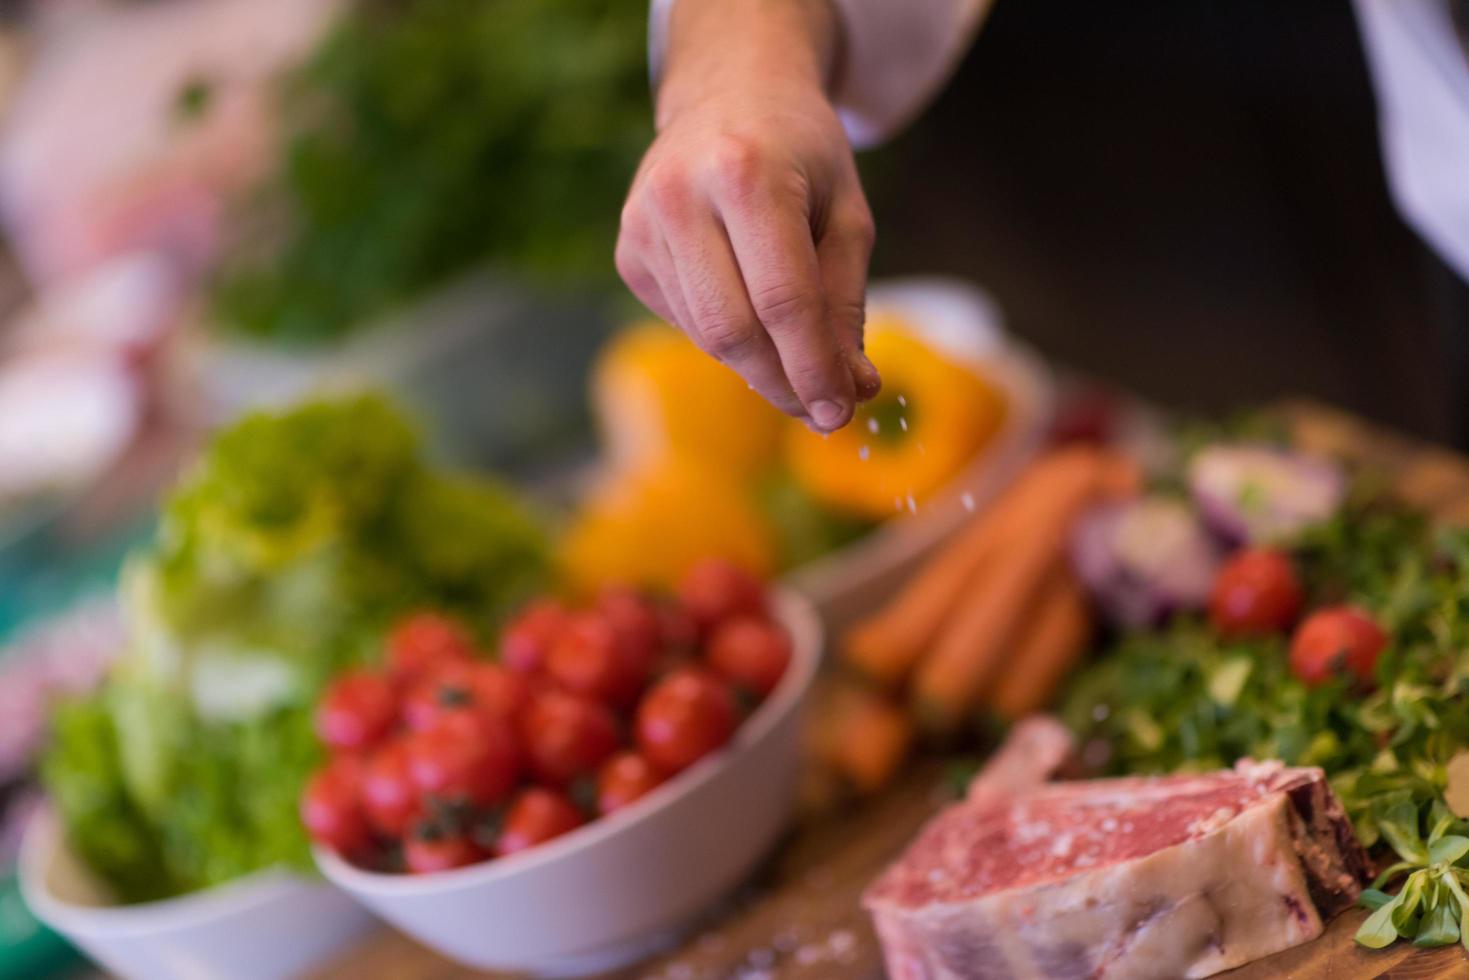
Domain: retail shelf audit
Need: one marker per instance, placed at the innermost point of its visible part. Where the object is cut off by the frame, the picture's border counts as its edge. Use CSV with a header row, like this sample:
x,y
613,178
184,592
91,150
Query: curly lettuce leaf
x,y
282,557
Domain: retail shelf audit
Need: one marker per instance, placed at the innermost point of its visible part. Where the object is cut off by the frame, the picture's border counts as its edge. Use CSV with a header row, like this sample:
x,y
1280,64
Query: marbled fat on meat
x,y
1178,876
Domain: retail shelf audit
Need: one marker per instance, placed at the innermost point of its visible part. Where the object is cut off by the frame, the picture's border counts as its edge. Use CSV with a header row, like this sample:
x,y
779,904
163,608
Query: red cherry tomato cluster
x,y
1257,593
444,758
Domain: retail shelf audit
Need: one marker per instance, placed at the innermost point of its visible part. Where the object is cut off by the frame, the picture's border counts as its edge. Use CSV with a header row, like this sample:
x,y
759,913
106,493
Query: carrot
x,y
868,740
1047,648
887,645
966,659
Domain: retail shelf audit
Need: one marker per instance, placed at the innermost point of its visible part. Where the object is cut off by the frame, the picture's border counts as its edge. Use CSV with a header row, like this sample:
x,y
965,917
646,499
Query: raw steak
x,y
1173,876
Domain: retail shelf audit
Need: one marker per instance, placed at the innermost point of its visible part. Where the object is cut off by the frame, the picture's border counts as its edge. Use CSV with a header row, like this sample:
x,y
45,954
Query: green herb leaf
x,y
1399,825
1440,926
1373,898
1448,850
1378,932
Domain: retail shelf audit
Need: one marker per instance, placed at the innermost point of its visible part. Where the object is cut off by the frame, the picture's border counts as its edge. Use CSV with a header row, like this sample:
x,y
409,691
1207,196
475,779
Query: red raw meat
x,y
1172,876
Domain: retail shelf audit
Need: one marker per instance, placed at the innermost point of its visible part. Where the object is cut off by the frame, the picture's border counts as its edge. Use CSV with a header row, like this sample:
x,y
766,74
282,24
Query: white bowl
x,y
268,926
624,885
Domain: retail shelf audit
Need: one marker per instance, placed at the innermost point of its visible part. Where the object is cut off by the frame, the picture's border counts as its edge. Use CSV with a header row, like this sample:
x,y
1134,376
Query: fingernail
x,y
828,414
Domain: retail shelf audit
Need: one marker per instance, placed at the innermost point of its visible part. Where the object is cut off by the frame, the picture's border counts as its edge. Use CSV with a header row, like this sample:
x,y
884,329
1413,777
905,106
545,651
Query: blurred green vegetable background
x,y
429,136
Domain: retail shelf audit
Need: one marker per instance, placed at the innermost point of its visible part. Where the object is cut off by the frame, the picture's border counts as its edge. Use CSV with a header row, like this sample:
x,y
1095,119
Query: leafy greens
x,y
279,559
1184,699
428,136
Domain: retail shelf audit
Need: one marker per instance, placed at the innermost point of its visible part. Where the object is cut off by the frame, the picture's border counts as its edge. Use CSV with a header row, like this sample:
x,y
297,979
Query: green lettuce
x,y
282,557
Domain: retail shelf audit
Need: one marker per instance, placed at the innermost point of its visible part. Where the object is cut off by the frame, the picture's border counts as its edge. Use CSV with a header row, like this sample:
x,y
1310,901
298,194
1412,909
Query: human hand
x,y
746,224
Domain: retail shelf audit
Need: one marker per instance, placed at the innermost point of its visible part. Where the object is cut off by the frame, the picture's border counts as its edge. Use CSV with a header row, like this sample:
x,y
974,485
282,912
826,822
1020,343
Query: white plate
x,y
622,886
272,925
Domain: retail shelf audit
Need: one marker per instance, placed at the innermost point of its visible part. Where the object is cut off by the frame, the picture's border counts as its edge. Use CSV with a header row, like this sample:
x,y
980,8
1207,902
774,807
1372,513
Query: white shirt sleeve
x,y
896,55
1421,76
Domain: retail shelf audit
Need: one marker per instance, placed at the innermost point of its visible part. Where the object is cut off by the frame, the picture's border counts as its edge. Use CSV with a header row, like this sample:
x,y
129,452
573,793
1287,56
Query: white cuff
x,y
896,55
1422,82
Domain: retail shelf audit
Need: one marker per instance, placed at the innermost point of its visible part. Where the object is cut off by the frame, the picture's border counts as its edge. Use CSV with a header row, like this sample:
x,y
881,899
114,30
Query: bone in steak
x,y
1172,876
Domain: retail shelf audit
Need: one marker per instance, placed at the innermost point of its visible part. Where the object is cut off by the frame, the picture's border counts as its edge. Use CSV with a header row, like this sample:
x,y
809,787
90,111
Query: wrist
x,y
716,47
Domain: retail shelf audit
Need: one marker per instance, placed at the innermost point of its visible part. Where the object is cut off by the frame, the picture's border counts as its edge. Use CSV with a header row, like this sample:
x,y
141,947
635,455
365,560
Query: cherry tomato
x,y
427,853
357,710
389,795
714,589
625,777
537,815
462,684
591,658
687,715
567,736
526,640
1341,639
1256,593
635,620
331,808
423,642
679,632
751,652
465,755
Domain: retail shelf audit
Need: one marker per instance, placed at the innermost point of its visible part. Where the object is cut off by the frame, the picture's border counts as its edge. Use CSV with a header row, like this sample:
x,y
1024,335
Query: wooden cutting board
x,y
799,919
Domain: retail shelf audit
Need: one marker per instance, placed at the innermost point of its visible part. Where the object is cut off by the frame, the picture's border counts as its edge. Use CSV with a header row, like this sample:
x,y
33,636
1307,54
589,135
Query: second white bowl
x,y
272,925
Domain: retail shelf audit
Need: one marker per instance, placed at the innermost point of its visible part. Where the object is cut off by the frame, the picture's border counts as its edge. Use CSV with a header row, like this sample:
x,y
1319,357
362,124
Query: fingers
x,y
843,253
770,230
700,282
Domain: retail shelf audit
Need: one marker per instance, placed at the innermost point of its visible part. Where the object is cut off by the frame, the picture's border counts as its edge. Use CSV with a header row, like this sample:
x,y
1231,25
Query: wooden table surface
x,y
799,918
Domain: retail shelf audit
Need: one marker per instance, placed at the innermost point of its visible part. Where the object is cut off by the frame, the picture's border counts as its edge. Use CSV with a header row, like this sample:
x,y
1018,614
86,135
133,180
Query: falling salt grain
x,y
967,499
872,426
903,423
864,452
912,504
903,401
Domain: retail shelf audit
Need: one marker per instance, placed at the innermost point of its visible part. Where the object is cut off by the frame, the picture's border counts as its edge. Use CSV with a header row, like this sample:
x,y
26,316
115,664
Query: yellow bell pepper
x,y
646,526
933,415
658,397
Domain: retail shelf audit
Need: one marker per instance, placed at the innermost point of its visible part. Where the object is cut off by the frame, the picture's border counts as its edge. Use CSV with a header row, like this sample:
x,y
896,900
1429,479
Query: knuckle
x,y
783,304
863,229
851,314
727,338
667,188
737,163
629,266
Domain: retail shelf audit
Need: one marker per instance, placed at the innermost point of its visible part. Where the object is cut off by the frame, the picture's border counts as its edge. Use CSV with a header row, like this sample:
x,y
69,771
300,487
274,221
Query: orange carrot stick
x,y
965,660
868,740
887,645
1049,645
